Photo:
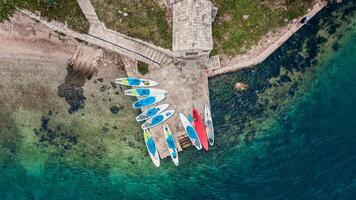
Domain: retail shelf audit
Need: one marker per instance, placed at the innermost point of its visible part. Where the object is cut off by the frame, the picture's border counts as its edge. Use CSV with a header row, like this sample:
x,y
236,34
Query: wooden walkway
x,y
101,36
157,55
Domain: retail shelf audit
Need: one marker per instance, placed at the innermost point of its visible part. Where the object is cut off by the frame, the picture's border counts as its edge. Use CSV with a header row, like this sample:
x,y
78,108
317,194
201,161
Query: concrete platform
x,y
187,87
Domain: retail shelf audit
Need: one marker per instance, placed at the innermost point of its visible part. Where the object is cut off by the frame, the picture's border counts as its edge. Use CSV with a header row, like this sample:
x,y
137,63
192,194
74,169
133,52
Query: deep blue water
x,y
307,151
311,151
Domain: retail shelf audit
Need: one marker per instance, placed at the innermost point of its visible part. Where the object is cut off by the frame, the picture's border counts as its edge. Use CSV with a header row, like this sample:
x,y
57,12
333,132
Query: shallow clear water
x,y
307,151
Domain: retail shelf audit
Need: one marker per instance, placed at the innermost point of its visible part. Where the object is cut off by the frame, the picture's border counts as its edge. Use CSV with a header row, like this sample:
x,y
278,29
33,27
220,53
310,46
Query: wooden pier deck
x,y
187,87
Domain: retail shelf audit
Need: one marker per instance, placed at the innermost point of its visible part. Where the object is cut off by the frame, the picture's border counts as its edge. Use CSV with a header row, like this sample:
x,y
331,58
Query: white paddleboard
x,y
171,144
191,132
144,92
149,101
158,119
135,82
151,147
209,128
151,112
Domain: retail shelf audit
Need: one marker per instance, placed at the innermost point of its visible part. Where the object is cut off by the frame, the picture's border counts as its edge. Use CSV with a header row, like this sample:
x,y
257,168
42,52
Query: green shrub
x,y
60,10
145,19
142,68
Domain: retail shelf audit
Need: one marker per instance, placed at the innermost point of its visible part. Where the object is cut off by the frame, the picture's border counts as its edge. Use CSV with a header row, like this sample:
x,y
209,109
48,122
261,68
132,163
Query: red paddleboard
x,y
200,128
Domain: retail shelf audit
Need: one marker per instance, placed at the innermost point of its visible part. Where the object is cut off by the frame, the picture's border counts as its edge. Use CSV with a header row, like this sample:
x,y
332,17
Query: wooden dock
x,y
187,87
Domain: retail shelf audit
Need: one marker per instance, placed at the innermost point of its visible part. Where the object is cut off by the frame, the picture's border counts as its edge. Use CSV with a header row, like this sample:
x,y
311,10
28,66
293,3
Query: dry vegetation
x,y
143,19
66,11
241,23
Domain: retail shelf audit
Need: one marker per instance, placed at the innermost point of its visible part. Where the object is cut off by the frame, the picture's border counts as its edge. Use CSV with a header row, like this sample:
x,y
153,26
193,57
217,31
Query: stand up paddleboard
x,y
151,147
171,144
209,125
143,92
135,82
151,112
189,129
148,101
199,127
158,119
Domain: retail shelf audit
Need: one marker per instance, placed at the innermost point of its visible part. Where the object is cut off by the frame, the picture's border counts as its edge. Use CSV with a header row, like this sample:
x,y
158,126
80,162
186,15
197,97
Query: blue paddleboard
x,y
148,101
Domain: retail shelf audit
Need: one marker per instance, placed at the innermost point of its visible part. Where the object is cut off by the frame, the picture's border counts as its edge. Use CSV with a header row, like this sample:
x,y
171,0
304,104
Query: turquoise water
x,y
306,150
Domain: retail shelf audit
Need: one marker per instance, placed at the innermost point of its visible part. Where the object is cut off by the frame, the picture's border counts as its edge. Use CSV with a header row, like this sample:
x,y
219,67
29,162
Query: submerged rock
x,y
113,84
73,95
105,129
103,88
241,86
44,121
115,109
62,139
250,137
335,46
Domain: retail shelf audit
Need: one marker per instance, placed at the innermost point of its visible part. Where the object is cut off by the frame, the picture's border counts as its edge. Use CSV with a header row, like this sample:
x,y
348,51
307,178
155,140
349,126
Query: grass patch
x,y
66,11
143,19
242,23
142,68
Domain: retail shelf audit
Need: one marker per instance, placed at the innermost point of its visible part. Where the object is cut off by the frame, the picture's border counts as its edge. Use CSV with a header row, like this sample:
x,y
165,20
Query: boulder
x,y
241,86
